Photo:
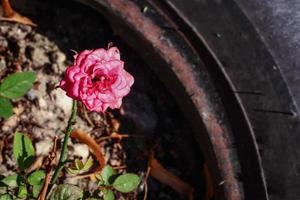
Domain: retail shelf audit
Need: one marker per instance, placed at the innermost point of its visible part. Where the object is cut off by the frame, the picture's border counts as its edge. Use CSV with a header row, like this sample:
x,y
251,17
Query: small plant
x,y
108,180
80,167
23,184
12,87
98,80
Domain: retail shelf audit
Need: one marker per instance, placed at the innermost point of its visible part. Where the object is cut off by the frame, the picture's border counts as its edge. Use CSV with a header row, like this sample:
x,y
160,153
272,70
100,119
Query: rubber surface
x,y
278,24
258,44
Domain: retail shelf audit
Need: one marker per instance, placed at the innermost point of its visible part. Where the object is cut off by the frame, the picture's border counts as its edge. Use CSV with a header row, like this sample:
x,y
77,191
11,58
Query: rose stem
x,y
63,153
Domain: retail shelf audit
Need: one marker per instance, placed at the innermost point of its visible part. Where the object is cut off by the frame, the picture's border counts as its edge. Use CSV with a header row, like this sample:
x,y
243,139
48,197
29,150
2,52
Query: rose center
x,y
103,82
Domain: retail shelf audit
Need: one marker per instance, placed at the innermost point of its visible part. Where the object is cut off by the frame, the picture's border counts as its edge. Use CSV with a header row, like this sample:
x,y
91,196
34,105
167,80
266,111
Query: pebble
x,y
59,57
17,33
31,94
10,123
114,162
3,42
42,103
71,180
43,147
2,64
62,101
81,150
39,57
41,116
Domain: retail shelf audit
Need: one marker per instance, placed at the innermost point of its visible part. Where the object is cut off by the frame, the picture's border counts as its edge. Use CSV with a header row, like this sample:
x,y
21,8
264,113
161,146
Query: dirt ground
x,y
149,113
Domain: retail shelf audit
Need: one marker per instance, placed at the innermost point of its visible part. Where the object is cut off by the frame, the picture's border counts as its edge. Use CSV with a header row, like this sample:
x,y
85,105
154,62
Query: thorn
x,y
74,51
109,45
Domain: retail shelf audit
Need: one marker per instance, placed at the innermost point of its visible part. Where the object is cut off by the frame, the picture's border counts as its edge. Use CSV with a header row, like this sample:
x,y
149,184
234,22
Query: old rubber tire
x,y
258,44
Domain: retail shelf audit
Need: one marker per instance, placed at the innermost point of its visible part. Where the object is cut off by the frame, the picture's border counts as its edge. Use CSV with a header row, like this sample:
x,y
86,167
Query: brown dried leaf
x,y
88,140
13,16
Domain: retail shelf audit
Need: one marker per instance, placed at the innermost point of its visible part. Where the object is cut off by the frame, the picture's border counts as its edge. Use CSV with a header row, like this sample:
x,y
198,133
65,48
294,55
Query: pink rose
x,y
98,79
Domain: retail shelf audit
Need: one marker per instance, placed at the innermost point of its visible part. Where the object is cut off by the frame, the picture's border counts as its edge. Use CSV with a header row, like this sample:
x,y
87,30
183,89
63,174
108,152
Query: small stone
x,y
81,150
62,101
55,68
31,94
59,57
10,123
18,109
26,28
2,64
39,57
42,116
17,33
43,147
71,180
3,42
114,162
42,103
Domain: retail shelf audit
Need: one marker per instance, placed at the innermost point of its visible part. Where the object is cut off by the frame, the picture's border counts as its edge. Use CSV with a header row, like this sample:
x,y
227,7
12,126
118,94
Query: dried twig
x,y
114,135
120,167
88,140
11,15
1,149
86,116
49,162
92,175
145,183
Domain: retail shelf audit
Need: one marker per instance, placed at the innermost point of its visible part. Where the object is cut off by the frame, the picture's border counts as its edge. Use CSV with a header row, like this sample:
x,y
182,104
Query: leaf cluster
x,y
22,185
27,186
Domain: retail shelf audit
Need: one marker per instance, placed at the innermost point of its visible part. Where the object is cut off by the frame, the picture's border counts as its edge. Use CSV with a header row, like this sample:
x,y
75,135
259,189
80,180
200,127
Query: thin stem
x,y
64,152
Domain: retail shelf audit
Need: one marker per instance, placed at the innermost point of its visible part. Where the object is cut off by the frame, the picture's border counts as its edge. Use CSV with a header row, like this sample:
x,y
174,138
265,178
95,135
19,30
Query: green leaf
x,y
5,197
105,175
73,171
12,180
36,190
81,167
88,164
78,164
23,150
36,178
22,192
66,192
17,84
5,108
126,182
108,195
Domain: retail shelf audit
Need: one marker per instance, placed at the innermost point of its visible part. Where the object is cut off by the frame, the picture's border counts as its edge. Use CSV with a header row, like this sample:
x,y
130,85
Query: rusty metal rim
x,y
127,16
